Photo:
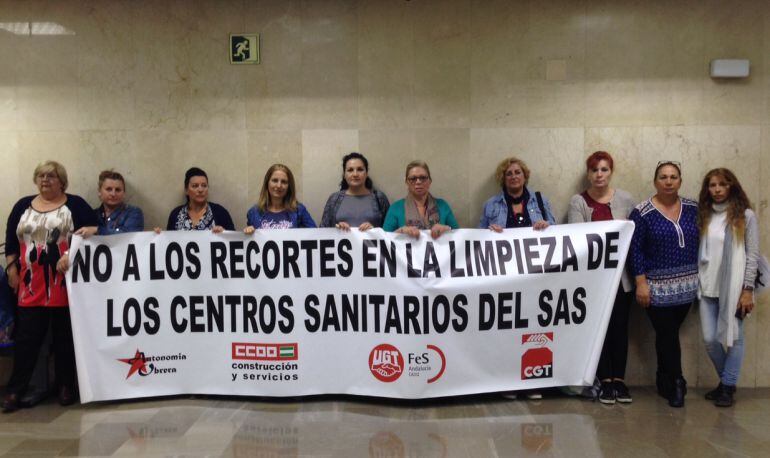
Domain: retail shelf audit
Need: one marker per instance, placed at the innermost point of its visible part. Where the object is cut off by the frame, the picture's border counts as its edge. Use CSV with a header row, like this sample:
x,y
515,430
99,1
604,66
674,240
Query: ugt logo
x,y
537,362
386,363
138,364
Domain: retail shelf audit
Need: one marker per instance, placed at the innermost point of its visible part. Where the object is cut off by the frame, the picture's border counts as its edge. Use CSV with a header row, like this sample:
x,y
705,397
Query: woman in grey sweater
x,y
602,202
727,270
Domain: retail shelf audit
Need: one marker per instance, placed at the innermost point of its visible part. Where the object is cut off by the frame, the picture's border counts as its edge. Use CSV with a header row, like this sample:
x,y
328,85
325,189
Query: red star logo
x,y
137,363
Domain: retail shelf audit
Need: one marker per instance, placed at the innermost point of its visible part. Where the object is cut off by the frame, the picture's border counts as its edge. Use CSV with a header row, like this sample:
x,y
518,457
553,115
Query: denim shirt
x,y
124,219
496,211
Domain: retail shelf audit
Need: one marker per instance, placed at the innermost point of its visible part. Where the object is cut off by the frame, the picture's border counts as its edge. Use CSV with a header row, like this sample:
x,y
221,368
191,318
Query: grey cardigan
x,y
621,205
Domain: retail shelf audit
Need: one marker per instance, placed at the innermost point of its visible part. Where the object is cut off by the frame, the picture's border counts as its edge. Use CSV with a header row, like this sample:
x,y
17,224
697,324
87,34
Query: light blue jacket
x,y
496,211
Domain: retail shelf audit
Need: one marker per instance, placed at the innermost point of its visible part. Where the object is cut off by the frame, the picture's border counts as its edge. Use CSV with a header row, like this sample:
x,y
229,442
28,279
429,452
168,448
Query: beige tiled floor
x,y
475,426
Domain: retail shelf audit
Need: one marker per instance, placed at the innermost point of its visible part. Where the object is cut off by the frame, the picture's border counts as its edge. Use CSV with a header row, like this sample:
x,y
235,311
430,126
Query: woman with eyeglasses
x,y
602,202
664,263
357,203
419,210
727,268
37,241
198,214
115,216
515,206
278,207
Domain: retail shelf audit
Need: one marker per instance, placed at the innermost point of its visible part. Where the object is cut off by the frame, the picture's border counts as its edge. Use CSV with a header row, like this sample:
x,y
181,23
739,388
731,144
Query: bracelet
x,y
748,288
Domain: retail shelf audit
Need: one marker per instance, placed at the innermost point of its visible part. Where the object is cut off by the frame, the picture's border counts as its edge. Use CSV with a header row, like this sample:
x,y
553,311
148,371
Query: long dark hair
x,y
737,202
193,172
355,155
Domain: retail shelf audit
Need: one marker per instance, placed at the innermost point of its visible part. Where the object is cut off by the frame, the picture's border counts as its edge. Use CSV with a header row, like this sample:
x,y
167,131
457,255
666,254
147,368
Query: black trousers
x,y
31,328
666,321
612,362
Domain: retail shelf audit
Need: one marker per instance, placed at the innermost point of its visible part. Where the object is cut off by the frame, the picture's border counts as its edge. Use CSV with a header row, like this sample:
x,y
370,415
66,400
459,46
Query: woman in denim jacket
x,y
515,206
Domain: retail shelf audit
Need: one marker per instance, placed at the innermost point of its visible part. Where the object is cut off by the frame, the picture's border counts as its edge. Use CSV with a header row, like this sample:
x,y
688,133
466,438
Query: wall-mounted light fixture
x,y
729,68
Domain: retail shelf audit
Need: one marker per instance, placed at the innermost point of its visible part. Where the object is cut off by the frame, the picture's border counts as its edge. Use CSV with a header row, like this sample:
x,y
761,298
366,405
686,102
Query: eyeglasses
x,y
674,163
46,176
418,179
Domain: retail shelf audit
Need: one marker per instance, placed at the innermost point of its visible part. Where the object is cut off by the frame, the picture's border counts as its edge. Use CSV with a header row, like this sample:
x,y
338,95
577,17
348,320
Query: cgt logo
x,y
386,363
537,362
265,351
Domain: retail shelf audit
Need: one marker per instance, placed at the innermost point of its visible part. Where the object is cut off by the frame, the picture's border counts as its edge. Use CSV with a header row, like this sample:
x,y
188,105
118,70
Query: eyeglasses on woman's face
x,y
418,179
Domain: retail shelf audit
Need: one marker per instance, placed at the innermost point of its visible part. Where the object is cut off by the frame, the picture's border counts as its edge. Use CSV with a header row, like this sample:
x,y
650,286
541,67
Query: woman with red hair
x,y
602,202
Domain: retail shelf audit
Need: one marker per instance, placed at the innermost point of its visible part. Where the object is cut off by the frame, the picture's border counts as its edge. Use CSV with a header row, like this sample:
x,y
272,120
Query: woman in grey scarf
x,y
727,270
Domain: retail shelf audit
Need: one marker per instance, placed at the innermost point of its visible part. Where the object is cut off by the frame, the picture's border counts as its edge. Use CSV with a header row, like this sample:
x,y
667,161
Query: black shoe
x,y
678,392
10,403
66,396
607,393
621,392
663,383
725,396
713,394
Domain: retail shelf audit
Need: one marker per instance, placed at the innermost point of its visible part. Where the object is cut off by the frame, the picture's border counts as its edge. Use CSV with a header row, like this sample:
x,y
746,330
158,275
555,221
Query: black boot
x,y
725,396
663,382
713,394
678,391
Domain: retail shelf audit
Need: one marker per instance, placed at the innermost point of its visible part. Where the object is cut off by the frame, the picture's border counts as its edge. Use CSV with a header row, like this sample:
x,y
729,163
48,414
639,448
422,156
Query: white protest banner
x,y
301,312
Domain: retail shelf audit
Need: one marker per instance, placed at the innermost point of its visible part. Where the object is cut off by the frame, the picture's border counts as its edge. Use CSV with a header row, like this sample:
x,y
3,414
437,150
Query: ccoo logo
x,y
386,363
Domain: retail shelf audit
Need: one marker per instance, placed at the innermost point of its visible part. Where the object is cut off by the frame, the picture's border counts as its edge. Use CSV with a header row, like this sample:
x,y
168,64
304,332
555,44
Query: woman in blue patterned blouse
x,y
664,262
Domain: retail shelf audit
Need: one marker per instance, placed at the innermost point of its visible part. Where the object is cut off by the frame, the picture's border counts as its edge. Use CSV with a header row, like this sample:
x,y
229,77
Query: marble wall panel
x,y
761,315
625,146
9,185
447,153
36,147
442,75
113,149
267,147
106,65
222,154
322,152
330,64
732,33
636,58
499,63
386,65
274,87
557,32
554,157
388,152
9,52
185,80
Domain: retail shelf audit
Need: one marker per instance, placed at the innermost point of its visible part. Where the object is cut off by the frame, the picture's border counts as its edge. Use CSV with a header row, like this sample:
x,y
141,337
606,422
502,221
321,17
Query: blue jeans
x,y
726,362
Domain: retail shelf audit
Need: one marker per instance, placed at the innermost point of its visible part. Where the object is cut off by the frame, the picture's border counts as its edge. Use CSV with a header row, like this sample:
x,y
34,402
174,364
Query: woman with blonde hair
x,y
277,207
37,239
419,210
514,205
727,269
